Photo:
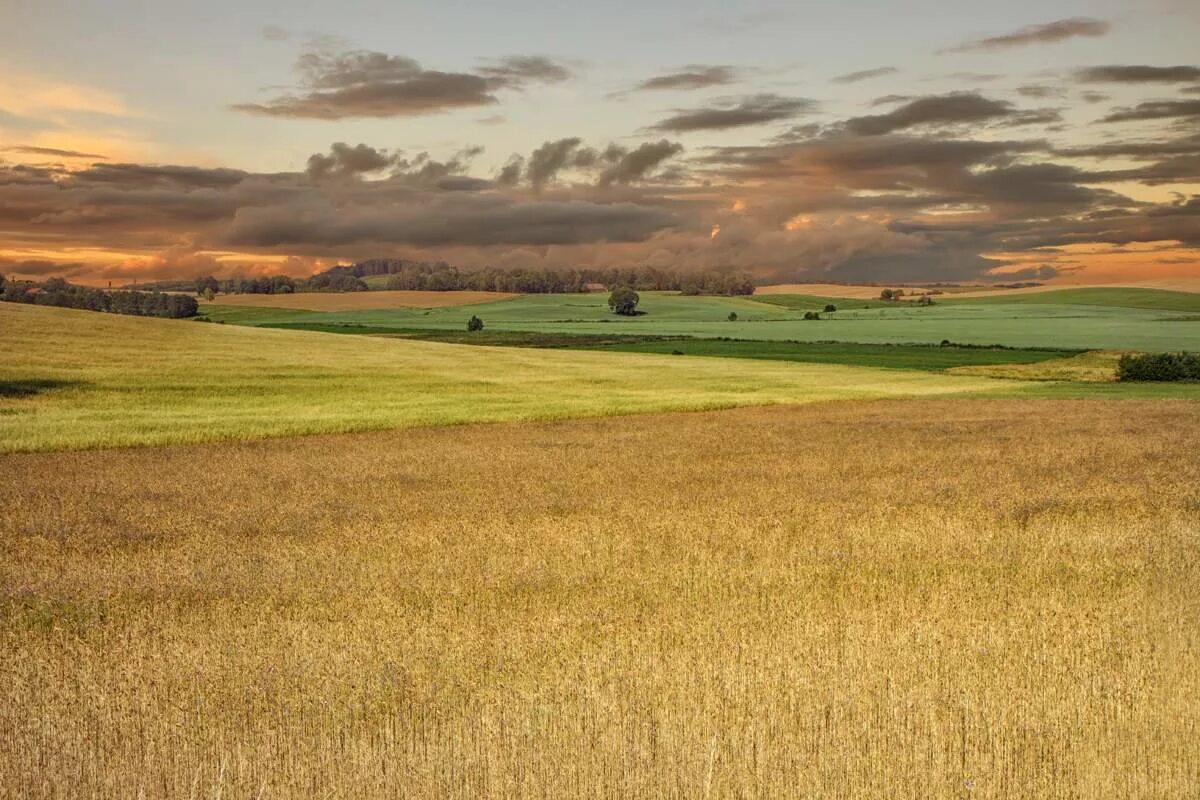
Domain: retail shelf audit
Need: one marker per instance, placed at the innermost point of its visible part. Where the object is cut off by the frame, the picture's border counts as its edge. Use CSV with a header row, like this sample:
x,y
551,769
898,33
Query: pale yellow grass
x,y
129,380
1094,366
360,301
892,599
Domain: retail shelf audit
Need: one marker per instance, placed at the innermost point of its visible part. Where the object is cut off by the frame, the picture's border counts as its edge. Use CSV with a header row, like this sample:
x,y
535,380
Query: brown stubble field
x,y
902,599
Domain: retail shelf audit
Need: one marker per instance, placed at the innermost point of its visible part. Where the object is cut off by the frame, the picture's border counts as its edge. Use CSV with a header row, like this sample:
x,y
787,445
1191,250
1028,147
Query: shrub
x,y
925,300
830,308
891,294
1159,367
811,315
623,300
732,316
474,323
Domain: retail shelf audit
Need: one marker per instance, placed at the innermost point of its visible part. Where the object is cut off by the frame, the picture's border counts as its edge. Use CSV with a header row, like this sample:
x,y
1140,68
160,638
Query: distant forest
x,y
442,277
57,292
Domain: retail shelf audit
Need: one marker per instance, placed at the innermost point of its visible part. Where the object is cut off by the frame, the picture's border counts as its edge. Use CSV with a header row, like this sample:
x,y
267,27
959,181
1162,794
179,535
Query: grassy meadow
x,y
902,599
1081,319
82,379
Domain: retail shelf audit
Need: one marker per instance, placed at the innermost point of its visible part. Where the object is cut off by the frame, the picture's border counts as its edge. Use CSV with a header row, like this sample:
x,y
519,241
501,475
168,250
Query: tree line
x,y
424,276
57,292
443,277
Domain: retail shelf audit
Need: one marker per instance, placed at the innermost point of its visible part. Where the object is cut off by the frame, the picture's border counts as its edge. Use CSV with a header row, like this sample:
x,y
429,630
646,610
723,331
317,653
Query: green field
x,y
85,379
1114,296
1105,321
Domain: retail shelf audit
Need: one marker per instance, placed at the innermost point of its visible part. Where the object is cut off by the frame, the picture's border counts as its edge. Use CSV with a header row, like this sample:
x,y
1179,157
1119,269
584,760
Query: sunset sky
x,y
833,141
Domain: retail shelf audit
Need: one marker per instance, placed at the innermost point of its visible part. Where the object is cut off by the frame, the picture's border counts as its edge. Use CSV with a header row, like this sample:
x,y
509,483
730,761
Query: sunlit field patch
x,y
901,599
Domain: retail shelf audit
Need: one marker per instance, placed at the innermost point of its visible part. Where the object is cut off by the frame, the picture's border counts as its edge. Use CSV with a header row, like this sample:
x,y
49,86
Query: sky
x,y
840,141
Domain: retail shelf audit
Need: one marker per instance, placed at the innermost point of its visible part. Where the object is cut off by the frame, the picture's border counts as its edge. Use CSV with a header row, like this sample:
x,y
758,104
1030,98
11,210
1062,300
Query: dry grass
x,y
1094,366
360,301
900,599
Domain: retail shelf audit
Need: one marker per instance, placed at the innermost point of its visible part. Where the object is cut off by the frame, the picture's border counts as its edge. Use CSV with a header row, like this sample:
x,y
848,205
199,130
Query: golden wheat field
x,y
871,599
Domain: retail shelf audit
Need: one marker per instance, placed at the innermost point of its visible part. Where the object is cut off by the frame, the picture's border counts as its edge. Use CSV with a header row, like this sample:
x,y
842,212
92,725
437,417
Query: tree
x,y
830,308
891,294
208,293
733,316
811,315
925,300
623,300
474,324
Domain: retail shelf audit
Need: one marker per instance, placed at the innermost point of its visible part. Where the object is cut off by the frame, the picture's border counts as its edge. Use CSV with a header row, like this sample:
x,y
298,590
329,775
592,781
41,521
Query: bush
x,y
811,315
474,323
830,308
623,300
1159,367
891,294
732,316
925,300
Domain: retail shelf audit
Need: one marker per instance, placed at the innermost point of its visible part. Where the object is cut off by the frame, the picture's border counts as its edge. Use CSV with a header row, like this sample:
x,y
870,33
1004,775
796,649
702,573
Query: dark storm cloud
x,y
372,84
947,109
1037,34
736,113
52,151
693,76
866,74
1138,74
1156,109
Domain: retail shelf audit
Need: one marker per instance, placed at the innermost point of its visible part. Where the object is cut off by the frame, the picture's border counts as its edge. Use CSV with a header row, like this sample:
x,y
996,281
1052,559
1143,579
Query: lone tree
x,y
732,316
891,294
474,323
830,308
623,300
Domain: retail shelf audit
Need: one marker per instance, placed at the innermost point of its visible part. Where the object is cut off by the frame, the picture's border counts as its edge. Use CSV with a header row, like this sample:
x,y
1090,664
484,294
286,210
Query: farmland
x,y
1083,319
245,561
118,380
985,596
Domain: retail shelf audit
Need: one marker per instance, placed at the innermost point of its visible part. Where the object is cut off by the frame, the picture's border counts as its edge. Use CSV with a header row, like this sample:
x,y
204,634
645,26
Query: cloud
x,y
548,160
365,83
1156,109
1138,74
693,76
149,175
344,161
274,33
51,151
515,71
1039,92
948,109
736,113
39,268
636,164
1037,34
456,219
866,74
